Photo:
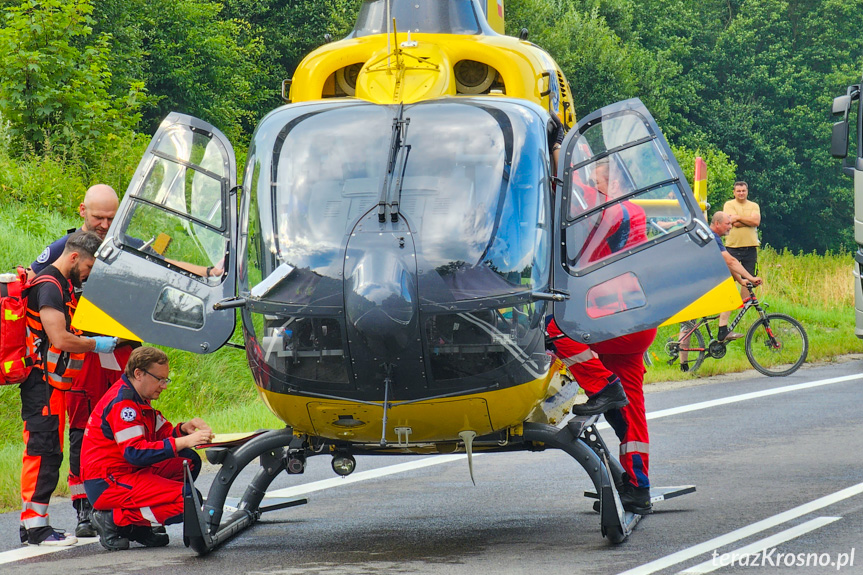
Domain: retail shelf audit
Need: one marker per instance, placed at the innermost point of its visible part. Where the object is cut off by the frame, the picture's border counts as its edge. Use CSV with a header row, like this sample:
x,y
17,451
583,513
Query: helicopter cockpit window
x,y
623,193
177,215
482,226
472,194
431,16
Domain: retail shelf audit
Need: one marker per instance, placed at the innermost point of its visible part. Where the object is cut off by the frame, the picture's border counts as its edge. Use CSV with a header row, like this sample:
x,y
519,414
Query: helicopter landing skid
x,y
581,440
203,528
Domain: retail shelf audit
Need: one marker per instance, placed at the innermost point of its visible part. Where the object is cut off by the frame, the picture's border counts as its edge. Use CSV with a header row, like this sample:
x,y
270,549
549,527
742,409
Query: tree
x,y
55,80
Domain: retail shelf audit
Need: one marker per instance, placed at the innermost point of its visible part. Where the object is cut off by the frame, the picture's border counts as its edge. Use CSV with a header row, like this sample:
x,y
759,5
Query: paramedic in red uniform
x,y
56,351
612,372
97,210
132,459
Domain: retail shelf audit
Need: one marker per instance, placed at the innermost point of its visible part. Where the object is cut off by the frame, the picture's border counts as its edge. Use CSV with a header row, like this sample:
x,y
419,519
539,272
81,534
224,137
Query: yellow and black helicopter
x,y
395,248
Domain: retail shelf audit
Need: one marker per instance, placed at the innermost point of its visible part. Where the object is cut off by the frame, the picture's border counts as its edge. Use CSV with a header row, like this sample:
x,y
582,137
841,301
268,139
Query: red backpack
x,y
15,362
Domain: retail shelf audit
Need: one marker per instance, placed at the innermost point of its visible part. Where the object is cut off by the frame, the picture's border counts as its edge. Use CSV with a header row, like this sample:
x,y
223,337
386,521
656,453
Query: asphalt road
x,y
777,464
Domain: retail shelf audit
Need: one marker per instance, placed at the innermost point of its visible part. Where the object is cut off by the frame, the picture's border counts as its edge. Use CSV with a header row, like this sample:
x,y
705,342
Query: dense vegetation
x,y
745,83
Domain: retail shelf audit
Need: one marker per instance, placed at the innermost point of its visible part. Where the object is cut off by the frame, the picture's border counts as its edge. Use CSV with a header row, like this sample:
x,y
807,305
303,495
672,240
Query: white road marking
x,y
743,532
761,545
365,475
35,551
31,551
753,395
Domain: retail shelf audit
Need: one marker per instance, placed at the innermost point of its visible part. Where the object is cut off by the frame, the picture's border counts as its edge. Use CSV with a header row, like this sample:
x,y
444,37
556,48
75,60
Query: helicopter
x,y
394,249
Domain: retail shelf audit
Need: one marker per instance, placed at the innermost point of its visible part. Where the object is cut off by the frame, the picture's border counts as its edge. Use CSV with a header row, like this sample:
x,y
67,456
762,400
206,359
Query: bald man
x,y
97,210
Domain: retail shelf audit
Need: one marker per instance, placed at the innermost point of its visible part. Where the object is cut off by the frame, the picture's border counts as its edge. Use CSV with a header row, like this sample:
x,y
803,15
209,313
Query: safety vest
x,y
60,367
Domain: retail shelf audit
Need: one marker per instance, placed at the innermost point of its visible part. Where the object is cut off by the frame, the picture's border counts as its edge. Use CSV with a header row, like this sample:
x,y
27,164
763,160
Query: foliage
x,y
750,79
54,80
721,173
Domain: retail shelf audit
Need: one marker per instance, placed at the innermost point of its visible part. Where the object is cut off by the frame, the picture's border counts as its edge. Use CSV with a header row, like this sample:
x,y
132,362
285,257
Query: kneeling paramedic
x,y
132,457
56,352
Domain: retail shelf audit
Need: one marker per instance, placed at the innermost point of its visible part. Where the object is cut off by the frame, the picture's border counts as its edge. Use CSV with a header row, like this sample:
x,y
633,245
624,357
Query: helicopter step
x,y
657,494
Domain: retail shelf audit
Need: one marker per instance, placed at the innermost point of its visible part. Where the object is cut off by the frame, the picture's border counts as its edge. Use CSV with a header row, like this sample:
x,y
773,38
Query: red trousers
x,y
150,496
595,366
87,389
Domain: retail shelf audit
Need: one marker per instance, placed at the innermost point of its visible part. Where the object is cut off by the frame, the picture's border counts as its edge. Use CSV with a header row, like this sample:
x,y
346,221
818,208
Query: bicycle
x,y
776,344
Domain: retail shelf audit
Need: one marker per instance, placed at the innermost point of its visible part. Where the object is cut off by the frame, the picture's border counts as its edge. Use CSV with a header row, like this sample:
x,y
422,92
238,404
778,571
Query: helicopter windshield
x,y
431,16
473,195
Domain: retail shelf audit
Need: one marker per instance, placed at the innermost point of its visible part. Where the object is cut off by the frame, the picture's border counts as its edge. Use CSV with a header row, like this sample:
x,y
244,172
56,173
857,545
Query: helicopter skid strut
x,y
583,443
203,528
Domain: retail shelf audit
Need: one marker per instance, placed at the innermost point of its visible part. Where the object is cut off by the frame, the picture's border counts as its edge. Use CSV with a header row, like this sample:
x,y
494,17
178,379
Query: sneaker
x,y
148,536
612,396
85,527
684,367
50,537
635,499
110,536
731,336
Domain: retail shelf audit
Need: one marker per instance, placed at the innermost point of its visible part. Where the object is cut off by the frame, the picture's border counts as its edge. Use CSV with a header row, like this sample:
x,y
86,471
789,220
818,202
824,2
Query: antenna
x,y
389,21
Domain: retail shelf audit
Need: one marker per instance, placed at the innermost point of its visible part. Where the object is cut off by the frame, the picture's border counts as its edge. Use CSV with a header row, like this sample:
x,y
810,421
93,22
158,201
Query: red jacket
x,y
124,434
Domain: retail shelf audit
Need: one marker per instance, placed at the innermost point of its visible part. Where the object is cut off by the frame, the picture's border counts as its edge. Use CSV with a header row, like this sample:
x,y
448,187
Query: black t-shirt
x,y
555,131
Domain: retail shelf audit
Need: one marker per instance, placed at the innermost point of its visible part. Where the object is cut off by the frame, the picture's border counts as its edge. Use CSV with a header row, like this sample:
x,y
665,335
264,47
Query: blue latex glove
x,y
105,344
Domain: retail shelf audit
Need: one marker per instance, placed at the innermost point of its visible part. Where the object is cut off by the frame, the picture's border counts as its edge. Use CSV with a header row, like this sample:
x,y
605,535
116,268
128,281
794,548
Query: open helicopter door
x,y
633,249
174,229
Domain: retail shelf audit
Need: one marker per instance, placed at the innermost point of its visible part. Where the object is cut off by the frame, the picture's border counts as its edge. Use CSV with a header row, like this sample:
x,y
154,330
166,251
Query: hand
x,y
193,425
757,281
104,344
200,436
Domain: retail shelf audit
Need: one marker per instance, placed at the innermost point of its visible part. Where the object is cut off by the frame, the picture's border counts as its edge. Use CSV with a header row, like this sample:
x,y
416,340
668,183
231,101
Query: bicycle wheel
x,y
697,351
776,345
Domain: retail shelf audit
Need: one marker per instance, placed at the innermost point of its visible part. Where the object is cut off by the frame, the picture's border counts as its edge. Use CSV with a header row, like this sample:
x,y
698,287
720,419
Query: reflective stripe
x,y
38,521
40,508
147,514
129,433
585,355
160,421
634,447
77,489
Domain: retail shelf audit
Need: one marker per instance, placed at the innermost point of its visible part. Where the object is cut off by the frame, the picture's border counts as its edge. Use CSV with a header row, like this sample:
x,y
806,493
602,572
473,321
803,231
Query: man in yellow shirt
x,y
742,242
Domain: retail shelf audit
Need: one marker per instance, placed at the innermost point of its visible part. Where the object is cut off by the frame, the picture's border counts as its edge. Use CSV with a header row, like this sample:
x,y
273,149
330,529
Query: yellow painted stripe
x,y
88,317
723,297
700,181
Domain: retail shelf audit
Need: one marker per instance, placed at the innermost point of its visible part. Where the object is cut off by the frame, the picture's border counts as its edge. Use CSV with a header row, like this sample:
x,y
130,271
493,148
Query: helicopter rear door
x,y
175,226
632,246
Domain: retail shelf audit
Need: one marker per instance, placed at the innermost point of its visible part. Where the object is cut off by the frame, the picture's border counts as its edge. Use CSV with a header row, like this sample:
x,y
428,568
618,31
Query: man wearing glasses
x,y
132,457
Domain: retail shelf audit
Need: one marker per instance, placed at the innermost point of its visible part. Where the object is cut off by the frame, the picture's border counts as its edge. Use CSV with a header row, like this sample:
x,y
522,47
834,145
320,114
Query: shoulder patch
x,y
128,414
43,257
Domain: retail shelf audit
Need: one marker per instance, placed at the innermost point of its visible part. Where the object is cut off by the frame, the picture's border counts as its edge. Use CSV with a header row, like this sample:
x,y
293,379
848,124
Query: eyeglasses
x,y
165,380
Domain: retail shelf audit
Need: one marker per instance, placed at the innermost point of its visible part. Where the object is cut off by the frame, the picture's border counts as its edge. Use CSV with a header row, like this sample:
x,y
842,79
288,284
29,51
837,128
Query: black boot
x,y
612,396
110,536
148,536
85,527
635,499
